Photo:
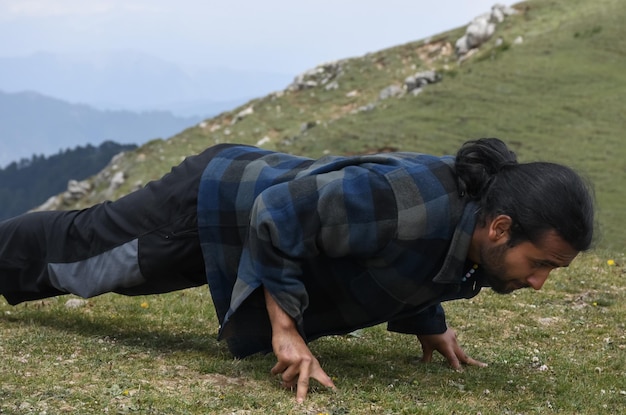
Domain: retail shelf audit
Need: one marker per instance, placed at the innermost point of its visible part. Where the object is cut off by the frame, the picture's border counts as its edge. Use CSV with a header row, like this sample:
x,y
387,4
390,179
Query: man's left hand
x,y
446,344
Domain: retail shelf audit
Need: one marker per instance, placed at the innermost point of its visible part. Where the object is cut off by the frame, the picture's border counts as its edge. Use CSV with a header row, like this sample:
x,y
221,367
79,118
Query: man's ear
x,y
500,227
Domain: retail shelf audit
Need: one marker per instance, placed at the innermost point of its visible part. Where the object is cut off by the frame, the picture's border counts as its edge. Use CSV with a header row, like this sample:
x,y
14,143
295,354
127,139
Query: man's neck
x,y
473,253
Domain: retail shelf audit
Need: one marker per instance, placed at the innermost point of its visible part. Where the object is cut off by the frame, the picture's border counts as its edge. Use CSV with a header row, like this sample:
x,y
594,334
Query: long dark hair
x,y
538,196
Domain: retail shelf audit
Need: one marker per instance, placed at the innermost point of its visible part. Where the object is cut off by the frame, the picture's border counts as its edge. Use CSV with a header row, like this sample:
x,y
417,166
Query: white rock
x,y
75,303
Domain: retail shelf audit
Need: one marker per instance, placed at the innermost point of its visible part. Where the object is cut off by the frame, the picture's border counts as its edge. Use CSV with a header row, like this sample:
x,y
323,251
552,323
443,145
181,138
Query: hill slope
x,y
553,87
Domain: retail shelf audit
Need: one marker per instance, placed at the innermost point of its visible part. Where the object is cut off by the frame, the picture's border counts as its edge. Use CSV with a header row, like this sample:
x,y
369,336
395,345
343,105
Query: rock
x,y
479,31
117,180
77,188
390,91
50,204
482,28
332,86
75,303
307,126
366,108
242,114
262,141
75,191
421,79
320,75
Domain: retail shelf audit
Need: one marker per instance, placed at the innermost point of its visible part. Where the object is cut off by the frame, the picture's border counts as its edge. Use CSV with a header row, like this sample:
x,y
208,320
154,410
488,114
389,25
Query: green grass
x,y
559,350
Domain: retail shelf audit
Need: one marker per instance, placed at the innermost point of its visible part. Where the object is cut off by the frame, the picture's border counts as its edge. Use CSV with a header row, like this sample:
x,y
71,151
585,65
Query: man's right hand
x,y
296,364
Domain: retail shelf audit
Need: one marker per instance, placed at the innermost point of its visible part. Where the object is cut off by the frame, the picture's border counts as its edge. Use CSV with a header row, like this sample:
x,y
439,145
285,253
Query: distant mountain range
x,y
34,124
50,102
131,80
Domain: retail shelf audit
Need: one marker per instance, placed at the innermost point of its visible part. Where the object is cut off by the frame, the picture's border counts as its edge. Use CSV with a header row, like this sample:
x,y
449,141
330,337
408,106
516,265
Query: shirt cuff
x,y
430,321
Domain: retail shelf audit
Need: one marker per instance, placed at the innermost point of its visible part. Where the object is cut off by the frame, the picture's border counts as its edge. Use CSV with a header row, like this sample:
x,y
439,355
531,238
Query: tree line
x,y
27,183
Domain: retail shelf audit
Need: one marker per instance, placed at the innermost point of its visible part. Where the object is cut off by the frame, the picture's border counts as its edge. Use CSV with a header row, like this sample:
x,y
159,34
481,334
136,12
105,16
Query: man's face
x,y
507,268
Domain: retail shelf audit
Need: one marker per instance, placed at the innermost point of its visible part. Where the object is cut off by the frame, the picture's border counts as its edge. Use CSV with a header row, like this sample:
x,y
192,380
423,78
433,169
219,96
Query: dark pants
x,y
144,243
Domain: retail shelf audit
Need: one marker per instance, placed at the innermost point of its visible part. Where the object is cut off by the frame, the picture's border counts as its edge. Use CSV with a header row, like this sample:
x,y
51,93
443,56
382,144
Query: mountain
x,y
550,81
31,123
130,80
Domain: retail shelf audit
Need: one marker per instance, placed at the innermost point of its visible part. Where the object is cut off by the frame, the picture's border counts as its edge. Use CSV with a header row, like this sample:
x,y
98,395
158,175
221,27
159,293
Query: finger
x,y
303,383
465,359
473,362
319,375
452,358
427,355
291,375
279,367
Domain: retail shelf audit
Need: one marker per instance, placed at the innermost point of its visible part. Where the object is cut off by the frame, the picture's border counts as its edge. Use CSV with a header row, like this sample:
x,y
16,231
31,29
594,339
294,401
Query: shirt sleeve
x,y
430,321
349,212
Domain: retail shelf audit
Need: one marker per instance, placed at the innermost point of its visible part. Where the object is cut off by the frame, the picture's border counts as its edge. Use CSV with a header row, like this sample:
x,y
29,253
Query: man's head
x,y
536,206
539,198
507,267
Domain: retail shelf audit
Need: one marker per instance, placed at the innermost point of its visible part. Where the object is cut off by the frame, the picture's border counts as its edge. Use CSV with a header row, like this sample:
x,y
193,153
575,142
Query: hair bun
x,y
477,161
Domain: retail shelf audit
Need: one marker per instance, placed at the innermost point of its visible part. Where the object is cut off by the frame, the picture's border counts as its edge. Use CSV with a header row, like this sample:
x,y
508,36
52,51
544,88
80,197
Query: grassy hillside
x,y
559,96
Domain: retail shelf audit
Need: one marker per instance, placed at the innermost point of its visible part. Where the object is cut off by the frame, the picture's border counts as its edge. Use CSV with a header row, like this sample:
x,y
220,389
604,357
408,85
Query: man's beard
x,y
494,271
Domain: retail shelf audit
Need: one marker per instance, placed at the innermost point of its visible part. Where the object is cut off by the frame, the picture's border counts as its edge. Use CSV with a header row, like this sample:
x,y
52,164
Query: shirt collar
x,y
452,269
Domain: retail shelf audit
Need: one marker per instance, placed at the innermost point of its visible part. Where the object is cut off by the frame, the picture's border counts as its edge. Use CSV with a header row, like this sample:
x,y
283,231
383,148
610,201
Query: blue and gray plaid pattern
x,y
339,242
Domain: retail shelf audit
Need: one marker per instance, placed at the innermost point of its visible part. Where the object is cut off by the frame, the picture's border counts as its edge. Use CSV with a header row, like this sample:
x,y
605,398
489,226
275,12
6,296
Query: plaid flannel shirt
x,y
340,243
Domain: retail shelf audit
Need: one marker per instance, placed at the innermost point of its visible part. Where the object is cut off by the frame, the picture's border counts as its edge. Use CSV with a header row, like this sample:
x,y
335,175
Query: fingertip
x,y
456,365
329,382
478,363
300,396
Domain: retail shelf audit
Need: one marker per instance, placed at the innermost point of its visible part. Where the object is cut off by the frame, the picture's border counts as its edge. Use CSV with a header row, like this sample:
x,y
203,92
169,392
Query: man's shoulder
x,y
425,171
237,151
241,155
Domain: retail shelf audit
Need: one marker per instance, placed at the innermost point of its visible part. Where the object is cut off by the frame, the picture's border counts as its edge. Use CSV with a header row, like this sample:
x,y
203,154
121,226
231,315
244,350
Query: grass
x,y
560,350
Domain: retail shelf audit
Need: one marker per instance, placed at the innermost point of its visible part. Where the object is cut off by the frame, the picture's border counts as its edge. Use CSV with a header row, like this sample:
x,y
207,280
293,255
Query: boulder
x,y
390,91
421,79
481,28
318,76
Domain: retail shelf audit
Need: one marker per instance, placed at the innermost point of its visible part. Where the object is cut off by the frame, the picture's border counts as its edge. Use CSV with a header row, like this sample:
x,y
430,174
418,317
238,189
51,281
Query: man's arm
x,y
296,364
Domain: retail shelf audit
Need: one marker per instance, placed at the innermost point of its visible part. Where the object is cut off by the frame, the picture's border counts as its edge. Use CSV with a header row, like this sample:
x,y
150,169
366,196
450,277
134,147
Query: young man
x,y
294,249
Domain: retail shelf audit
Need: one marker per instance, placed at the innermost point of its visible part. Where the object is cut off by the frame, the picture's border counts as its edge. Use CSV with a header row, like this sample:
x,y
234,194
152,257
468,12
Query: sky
x,y
278,36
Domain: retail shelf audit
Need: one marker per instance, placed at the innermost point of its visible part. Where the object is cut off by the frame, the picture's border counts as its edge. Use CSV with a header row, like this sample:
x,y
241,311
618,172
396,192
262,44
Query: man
x,y
294,249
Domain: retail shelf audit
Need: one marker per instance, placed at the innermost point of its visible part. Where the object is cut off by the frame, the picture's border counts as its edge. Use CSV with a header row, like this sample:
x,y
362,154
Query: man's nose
x,y
537,280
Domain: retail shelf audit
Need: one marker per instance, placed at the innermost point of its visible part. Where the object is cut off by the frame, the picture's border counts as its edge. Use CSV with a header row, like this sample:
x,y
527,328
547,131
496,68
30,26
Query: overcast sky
x,y
282,36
